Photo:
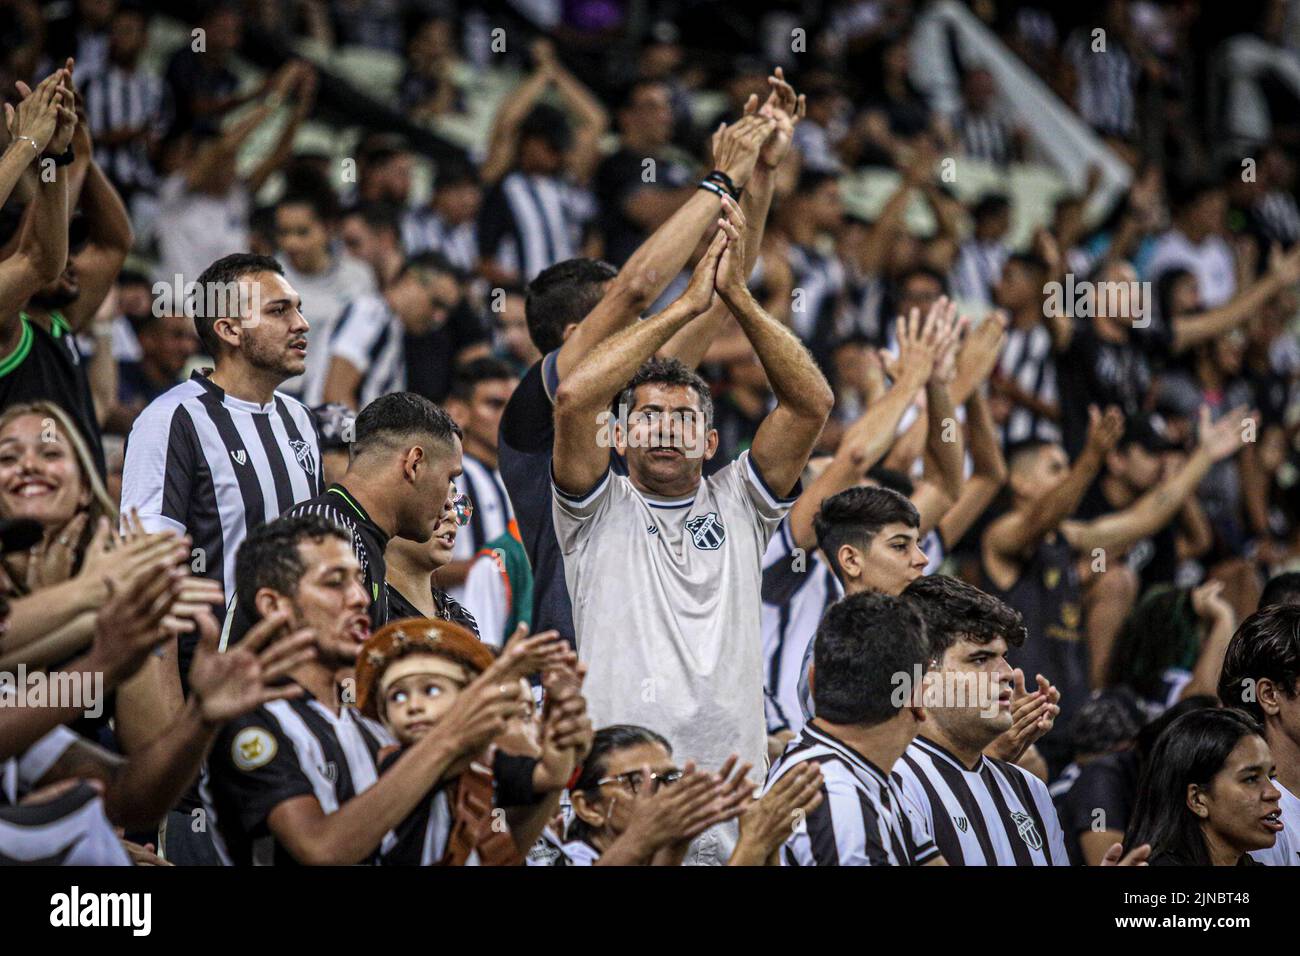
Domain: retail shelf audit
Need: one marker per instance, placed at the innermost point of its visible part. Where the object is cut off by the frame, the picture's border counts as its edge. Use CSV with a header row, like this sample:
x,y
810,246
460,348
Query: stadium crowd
x,y
640,493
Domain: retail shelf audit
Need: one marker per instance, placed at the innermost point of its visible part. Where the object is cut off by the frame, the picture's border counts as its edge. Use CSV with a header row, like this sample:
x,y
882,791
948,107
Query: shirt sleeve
x,y
160,468
575,514
781,576
254,764
35,762
767,507
357,336
528,423
918,827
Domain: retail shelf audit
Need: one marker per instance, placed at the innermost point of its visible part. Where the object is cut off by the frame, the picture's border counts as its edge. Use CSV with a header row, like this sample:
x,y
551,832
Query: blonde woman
x,y
47,475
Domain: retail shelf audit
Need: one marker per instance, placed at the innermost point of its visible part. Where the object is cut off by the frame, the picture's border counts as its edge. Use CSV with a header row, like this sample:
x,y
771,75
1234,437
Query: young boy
x,y
490,804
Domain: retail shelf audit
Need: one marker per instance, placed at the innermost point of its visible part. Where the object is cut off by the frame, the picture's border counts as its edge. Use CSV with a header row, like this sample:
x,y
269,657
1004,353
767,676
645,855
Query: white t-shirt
x,y
196,229
324,297
667,605
1210,261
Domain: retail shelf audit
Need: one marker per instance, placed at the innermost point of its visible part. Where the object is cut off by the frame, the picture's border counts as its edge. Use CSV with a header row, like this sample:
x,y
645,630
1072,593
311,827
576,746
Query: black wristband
x,y
725,181
63,159
708,185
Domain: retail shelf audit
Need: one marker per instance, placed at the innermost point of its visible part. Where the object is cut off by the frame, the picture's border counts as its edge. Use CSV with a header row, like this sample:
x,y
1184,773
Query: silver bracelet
x,y
18,139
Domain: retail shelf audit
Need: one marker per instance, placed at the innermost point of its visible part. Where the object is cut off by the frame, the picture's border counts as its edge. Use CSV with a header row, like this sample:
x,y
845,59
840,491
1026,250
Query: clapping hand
x,y
231,684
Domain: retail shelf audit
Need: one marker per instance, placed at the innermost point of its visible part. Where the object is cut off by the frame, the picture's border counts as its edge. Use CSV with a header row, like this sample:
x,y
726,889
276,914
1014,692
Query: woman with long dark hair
x,y
1206,796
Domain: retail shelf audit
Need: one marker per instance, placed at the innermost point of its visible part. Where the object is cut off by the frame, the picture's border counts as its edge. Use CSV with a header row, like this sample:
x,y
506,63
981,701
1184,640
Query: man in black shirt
x,y
1033,556
271,801
1134,467
641,184
405,455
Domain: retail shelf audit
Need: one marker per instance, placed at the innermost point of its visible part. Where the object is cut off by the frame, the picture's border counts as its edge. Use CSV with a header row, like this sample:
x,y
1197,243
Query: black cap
x,y
1147,431
19,534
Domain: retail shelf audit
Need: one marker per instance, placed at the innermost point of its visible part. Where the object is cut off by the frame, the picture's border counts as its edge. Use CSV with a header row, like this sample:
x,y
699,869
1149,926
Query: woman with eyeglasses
x,y
1207,797
411,576
632,806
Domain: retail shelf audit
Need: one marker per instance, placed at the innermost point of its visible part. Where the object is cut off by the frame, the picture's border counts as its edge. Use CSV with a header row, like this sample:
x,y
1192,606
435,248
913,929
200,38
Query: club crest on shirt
x,y
302,451
707,531
1027,829
253,747
241,457
961,822
330,771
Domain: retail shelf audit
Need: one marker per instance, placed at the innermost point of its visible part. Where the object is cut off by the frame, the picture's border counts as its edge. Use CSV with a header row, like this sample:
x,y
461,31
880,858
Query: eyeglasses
x,y
461,506
633,780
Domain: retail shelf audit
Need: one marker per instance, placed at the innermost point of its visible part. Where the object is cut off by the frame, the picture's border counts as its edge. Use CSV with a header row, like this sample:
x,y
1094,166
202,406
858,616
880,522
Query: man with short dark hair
x,y
480,391
632,208
296,782
980,810
574,305
1261,675
372,232
1030,555
692,545
223,452
368,350
1281,589
862,730
326,277
406,451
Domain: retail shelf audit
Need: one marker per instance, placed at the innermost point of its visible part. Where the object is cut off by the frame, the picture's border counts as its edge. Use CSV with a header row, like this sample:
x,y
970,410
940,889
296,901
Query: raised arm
x,y
944,445
42,249
654,264
867,440
592,117
109,241
804,399
1192,330
1015,534
306,78
1217,441
785,109
988,473
580,459
514,106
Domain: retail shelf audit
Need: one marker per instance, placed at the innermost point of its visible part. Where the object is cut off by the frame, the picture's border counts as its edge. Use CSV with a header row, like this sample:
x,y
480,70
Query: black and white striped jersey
x,y
118,100
1028,360
71,830
978,270
985,136
997,814
212,466
798,587
862,820
423,230
530,222
285,749
371,337
819,313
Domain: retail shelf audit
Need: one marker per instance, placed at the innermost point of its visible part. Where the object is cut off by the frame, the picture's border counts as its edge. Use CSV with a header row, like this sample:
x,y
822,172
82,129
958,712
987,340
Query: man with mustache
x,y
663,565
273,803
